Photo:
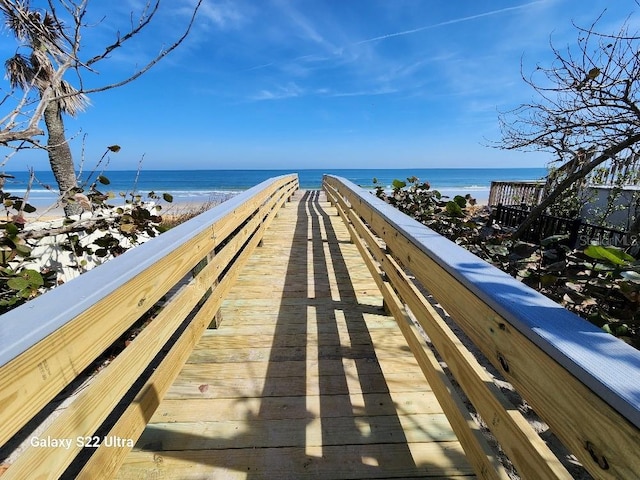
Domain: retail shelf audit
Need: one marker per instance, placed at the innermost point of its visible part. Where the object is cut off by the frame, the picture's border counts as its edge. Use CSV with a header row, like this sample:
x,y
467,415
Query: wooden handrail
x,y
582,381
47,342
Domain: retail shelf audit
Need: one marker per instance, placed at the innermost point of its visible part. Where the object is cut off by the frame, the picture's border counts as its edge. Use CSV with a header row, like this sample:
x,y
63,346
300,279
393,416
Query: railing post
x,y
217,318
574,232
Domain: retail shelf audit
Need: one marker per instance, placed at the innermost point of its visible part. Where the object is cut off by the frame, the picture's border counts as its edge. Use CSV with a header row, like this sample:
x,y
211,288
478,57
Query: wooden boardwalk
x,y
306,377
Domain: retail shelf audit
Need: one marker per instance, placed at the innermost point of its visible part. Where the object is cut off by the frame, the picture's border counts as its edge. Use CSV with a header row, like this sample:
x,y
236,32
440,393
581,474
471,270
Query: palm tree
x,y
43,36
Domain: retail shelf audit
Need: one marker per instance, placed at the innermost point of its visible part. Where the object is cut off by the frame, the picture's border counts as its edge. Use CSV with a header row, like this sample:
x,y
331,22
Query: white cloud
x,y
449,22
362,93
224,13
290,90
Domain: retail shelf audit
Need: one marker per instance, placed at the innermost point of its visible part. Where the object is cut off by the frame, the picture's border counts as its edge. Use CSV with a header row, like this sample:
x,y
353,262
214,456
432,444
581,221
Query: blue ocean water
x,y
201,185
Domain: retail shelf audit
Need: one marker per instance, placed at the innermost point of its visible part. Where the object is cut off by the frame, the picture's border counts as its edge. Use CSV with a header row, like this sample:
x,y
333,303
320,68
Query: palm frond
x,y
24,72
20,71
71,101
41,31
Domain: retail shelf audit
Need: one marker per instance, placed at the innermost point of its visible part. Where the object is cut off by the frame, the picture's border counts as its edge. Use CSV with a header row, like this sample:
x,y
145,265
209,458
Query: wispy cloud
x,y
293,90
340,65
290,90
350,52
304,28
223,13
362,93
449,22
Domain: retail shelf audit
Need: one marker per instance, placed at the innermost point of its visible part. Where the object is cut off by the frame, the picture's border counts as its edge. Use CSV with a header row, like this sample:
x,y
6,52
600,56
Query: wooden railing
x,y
583,382
579,232
515,193
46,343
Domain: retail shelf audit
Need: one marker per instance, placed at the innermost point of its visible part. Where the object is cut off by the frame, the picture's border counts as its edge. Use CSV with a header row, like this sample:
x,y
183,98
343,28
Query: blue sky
x,y
299,84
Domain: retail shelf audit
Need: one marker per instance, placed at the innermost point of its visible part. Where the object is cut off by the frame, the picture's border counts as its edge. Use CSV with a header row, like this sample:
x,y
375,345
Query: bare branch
x,y
580,173
163,53
60,53
588,100
145,19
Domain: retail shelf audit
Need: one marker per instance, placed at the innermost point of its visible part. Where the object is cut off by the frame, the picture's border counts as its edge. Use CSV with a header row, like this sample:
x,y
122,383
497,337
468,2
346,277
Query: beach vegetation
x,y
585,112
180,214
418,200
48,68
600,283
36,256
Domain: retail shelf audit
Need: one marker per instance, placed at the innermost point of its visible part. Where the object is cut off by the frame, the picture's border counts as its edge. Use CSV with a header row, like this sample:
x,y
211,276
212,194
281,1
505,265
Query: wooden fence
x,y
579,232
46,343
583,382
515,193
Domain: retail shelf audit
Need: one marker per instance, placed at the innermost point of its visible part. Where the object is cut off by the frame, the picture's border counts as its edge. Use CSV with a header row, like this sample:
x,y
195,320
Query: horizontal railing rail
x,y
46,343
515,193
583,382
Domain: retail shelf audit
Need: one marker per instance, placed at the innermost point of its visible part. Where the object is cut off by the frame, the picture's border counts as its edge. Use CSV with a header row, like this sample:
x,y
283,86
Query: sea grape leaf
x,y
127,227
498,250
12,229
17,283
460,200
167,197
548,280
23,250
454,209
34,277
613,255
28,208
398,184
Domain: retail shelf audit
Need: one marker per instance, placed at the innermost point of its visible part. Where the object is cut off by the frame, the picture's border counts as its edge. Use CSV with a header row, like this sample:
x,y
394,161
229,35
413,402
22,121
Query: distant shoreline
x,y
204,185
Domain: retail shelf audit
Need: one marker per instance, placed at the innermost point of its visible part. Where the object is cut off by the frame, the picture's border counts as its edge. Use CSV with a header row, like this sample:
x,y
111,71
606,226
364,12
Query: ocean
x,y
203,185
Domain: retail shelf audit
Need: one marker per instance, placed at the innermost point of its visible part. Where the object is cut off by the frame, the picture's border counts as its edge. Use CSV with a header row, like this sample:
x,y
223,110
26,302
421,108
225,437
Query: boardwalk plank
x,y
208,410
437,460
307,377
332,430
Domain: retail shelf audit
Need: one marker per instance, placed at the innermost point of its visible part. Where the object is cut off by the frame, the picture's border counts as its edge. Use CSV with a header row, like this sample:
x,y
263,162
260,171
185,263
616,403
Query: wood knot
x,y
596,455
503,362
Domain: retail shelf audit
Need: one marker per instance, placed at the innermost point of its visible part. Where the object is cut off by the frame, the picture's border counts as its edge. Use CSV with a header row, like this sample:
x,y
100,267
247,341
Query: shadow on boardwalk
x,y
363,440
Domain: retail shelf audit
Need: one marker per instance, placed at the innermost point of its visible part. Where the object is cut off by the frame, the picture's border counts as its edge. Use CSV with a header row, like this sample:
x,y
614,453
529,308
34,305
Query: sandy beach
x,y
55,212
51,213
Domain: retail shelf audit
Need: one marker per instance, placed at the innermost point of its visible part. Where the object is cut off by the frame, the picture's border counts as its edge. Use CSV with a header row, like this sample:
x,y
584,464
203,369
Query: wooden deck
x,y
306,377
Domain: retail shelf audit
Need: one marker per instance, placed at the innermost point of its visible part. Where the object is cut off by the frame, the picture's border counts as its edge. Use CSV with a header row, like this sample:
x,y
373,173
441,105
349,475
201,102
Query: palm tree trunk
x,y
60,156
